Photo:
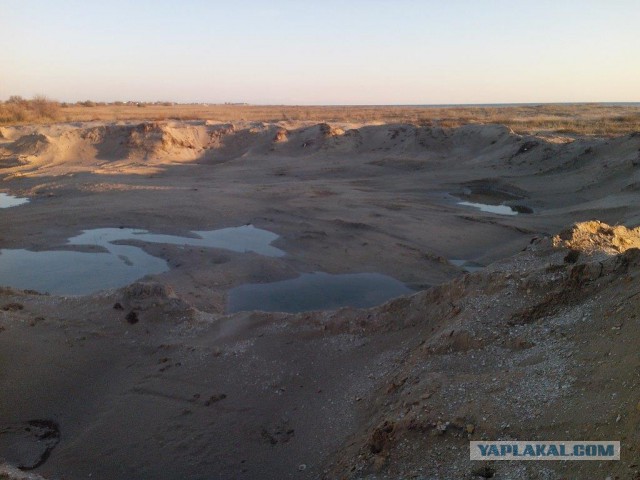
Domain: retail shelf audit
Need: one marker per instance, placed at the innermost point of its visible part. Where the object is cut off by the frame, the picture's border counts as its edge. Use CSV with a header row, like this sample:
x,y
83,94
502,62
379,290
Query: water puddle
x,y
7,200
467,265
316,291
79,273
237,239
76,273
497,209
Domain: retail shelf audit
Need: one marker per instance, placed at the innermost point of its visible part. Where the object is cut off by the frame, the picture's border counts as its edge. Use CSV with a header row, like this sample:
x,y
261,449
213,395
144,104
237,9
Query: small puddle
x,y
467,265
80,273
316,291
485,207
7,200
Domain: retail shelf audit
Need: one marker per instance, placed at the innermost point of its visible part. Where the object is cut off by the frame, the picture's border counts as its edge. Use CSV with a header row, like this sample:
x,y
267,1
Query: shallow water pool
x,y
76,273
316,291
79,273
485,207
246,238
7,200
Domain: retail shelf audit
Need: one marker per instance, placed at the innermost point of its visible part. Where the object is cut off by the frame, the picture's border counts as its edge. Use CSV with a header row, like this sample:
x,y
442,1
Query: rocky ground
x,y
154,380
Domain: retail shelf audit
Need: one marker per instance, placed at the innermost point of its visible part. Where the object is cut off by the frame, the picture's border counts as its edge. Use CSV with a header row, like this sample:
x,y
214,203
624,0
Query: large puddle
x,y
316,291
76,273
7,200
115,264
237,239
79,273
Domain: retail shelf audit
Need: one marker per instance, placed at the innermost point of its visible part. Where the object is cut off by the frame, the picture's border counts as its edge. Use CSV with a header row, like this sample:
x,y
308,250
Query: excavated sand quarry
x,y
153,378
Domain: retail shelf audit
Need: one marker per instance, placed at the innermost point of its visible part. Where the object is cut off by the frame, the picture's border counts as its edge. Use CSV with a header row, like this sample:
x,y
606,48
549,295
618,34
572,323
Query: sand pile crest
x,y
32,144
282,135
152,139
595,236
327,130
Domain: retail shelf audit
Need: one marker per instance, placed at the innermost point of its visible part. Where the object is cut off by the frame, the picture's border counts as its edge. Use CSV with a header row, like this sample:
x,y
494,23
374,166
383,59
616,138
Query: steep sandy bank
x,y
519,351
87,147
522,352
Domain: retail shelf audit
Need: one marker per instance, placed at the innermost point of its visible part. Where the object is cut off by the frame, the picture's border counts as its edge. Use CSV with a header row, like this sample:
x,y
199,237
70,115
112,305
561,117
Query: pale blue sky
x,y
322,52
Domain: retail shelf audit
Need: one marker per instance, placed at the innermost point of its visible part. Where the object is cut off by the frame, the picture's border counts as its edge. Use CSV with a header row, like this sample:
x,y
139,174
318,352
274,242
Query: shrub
x,y
18,110
44,107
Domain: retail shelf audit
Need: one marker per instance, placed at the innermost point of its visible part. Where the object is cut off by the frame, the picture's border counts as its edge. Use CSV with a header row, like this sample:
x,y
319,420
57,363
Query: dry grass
x,y
584,119
18,110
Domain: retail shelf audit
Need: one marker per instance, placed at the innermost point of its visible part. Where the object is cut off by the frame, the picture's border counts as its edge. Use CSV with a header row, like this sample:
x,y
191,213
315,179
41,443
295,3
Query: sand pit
x,y
498,330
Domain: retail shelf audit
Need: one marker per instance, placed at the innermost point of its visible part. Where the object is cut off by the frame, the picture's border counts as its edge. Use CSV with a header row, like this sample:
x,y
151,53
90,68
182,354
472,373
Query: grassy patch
x,y
580,119
39,109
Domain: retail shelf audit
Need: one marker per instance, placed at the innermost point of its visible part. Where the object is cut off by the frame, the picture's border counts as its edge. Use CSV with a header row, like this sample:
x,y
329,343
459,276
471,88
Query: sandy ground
x,y
189,392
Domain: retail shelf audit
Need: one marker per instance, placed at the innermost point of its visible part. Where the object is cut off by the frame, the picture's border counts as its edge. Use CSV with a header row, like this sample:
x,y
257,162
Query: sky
x,y
322,52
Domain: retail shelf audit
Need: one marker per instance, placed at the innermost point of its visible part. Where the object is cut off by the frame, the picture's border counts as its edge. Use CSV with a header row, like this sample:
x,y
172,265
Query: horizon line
x,y
360,105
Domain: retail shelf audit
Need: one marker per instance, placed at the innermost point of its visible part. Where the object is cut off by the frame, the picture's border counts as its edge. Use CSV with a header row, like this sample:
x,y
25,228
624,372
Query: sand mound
x,y
327,130
153,297
33,144
596,236
152,140
144,141
148,290
281,135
